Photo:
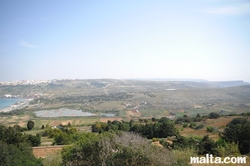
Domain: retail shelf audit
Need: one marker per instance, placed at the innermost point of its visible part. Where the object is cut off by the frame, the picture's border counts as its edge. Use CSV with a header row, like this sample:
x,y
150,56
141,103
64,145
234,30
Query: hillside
x,y
151,98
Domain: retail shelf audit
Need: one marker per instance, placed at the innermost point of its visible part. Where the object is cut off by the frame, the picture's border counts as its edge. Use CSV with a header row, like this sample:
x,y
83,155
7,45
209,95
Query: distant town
x,y
31,82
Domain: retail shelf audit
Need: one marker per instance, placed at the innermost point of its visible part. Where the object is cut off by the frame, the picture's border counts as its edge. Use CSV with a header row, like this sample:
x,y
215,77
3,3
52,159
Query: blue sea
x,y
5,103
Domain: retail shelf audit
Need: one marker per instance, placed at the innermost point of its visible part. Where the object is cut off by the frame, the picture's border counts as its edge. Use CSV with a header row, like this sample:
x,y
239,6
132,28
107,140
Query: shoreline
x,y
17,105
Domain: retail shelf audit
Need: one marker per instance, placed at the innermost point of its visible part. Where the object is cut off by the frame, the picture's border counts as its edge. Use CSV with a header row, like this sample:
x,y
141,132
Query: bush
x,y
119,149
62,139
192,125
185,125
199,127
164,143
155,139
182,156
210,129
206,146
17,155
15,147
227,149
34,140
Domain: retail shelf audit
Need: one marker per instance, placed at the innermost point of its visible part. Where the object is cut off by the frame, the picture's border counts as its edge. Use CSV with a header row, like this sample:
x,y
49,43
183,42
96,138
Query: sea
x,y
7,102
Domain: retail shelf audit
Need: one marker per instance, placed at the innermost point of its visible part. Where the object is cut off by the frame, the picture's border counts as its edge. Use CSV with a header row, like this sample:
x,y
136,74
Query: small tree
x,y
213,115
30,125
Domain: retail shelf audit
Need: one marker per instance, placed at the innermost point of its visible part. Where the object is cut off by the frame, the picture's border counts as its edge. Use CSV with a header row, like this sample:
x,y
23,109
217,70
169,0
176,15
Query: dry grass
x,y
219,123
222,121
133,113
41,152
191,132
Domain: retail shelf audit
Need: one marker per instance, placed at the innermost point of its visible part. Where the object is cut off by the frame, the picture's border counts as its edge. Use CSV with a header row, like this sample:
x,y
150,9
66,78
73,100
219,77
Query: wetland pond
x,y
62,112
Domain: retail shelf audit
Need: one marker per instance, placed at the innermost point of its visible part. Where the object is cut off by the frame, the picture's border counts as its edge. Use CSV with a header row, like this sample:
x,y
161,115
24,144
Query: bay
x,y
7,102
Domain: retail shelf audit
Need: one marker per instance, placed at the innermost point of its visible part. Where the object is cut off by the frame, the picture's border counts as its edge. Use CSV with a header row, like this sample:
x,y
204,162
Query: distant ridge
x,y
211,83
228,83
169,79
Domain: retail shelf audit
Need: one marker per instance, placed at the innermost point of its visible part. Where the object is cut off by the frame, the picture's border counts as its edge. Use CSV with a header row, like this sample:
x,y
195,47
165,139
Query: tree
x,y
238,131
153,119
30,125
213,115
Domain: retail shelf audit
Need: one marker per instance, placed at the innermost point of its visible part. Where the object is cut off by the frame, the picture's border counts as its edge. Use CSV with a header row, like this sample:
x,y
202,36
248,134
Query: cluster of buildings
x,y
32,82
26,82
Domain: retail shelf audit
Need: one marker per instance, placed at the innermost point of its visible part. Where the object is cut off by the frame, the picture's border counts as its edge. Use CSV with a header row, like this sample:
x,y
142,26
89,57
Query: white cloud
x,y
26,44
237,9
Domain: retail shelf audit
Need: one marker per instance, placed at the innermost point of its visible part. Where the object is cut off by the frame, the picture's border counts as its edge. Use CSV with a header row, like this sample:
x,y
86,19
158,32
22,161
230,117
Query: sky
x,y
95,39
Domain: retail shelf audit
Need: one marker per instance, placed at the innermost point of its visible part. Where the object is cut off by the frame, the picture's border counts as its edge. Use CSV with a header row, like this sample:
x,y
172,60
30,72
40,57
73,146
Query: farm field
x,y
22,120
42,152
219,124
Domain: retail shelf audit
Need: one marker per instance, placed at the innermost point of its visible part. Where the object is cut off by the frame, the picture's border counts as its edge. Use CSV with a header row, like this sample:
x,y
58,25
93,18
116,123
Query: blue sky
x,y
86,39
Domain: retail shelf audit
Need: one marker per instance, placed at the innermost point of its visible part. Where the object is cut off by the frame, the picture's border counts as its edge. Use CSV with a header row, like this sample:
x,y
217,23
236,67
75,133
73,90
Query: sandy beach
x,y
17,105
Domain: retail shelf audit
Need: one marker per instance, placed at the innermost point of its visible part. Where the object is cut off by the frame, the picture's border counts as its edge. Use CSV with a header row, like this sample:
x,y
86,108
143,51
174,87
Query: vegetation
x,y
161,128
30,125
213,115
16,147
63,135
238,131
116,149
124,141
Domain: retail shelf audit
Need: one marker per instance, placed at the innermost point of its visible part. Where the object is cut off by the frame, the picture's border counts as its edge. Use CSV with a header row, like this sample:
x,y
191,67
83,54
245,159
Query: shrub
x,y
192,125
210,129
155,139
199,127
185,125
119,149
227,149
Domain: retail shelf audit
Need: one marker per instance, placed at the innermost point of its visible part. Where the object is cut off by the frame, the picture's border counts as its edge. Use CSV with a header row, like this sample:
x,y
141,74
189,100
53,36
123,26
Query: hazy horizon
x,y
139,79
43,40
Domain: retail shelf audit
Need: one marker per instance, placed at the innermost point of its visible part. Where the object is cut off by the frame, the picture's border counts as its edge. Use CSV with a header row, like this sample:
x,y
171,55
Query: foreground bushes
x,y
123,148
16,147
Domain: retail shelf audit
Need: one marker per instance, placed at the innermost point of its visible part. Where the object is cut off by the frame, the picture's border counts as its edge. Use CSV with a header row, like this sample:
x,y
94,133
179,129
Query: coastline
x,y
18,105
